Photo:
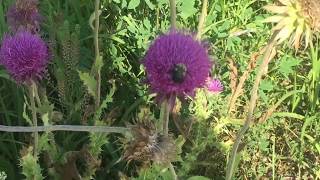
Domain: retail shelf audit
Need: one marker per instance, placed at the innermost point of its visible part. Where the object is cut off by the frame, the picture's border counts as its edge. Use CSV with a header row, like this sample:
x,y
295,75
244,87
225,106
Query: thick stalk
x,y
97,52
32,89
74,128
165,108
173,14
164,116
202,18
253,100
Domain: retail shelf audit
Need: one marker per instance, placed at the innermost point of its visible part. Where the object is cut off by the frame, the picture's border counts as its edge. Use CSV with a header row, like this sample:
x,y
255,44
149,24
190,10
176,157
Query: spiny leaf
x,y
25,115
89,82
266,85
107,100
30,167
286,65
187,9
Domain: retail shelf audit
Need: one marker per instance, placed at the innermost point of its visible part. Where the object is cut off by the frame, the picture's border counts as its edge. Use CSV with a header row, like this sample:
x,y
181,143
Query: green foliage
x,y
30,167
3,176
282,146
186,9
287,64
133,4
198,178
89,82
155,172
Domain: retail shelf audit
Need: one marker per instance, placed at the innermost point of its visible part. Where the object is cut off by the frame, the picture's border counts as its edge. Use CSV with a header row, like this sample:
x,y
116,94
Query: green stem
x,y
173,14
173,172
164,117
253,100
97,52
32,89
202,18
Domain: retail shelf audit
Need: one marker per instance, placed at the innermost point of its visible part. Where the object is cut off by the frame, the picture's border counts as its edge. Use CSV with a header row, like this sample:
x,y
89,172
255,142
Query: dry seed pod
x,y
150,145
295,19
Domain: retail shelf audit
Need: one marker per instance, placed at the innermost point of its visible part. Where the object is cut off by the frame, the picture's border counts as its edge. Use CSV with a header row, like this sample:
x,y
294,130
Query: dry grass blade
x,y
243,78
233,75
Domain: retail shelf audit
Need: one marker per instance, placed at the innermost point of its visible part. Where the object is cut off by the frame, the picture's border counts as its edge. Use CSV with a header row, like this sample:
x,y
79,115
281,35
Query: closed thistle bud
x,y
24,15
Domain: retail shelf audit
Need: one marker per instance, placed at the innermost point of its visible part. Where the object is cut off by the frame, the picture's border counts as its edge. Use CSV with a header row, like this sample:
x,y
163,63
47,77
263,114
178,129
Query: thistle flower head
x,y
150,145
214,85
295,19
24,15
176,64
24,55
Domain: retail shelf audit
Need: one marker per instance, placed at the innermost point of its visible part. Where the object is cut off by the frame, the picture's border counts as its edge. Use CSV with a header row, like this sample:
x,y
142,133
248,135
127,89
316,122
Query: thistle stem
x,y
32,89
173,14
202,18
253,100
164,116
74,128
97,53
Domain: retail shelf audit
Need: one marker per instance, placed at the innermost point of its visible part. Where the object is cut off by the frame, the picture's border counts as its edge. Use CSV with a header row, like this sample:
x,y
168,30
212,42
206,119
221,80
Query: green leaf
x,y
30,167
25,115
198,178
150,5
105,102
266,85
124,4
133,4
89,82
286,65
45,119
187,9
4,74
161,2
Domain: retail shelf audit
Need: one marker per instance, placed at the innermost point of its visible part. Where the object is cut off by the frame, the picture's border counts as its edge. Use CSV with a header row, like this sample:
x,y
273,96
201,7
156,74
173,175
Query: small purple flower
x,y
24,55
214,85
24,15
176,64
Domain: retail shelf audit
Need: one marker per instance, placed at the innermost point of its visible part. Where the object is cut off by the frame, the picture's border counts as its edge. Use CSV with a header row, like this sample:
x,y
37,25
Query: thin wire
x,y
76,128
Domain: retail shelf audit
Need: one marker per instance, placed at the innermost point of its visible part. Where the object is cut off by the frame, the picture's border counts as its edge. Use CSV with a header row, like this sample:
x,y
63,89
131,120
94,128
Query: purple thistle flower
x,y
176,64
214,85
24,15
24,55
